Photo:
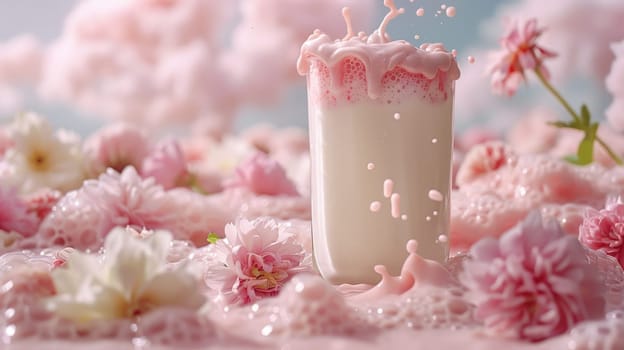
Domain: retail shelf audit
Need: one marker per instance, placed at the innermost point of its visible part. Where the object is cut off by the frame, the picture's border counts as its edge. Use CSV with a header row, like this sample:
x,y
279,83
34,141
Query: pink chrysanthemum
x,y
166,164
604,230
264,176
254,260
116,146
83,218
520,53
533,283
14,214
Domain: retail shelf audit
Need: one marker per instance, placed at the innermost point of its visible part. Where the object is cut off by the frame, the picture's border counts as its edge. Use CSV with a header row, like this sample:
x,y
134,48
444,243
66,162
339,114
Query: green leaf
x,y
212,238
585,152
585,115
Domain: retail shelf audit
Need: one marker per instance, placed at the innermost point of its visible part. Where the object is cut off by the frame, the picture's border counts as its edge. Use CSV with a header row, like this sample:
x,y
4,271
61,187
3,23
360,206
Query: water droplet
x,y
397,116
435,213
434,140
404,217
10,330
428,218
370,166
9,313
471,60
267,330
420,12
443,238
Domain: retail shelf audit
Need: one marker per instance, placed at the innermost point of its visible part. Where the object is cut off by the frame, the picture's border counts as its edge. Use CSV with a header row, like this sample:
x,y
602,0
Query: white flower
x,y
131,279
42,158
225,156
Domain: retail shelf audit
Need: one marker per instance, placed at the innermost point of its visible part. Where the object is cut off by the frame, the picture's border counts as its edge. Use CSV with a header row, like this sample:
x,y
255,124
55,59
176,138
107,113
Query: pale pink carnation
x,y
166,164
580,31
254,260
484,158
262,175
14,214
83,218
604,230
520,53
533,283
115,146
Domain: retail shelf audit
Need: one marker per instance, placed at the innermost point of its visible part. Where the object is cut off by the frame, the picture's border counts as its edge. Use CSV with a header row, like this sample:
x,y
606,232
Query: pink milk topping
x,y
372,67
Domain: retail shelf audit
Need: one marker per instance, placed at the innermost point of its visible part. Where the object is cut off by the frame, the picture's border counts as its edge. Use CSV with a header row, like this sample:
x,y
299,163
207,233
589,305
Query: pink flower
x,y
14,214
533,283
166,164
255,259
115,146
40,203
83,218
482,159
520,53
264,176
604,230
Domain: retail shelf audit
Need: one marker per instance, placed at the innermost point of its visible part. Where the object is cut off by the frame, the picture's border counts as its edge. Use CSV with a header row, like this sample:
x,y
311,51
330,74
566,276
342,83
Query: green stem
x,y
557,95
575,116
612,154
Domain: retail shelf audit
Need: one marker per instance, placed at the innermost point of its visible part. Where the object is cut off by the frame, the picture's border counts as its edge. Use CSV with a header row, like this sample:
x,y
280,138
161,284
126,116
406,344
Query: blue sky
x,y
44,19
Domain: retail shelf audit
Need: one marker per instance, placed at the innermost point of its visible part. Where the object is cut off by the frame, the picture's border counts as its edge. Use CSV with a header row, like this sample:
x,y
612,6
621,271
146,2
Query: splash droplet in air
x,y
451,11
375,206
395,205
346,13
388,187
435,195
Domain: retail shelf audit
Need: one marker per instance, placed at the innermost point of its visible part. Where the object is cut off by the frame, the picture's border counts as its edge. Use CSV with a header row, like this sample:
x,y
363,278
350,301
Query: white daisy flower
x,y
42,158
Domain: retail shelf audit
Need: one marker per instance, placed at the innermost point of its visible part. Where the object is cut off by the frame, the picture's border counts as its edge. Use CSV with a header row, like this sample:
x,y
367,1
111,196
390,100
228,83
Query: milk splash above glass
x,y
380,120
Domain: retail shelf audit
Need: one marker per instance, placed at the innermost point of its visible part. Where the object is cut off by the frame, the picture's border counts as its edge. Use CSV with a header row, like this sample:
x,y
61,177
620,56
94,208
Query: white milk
x,y
349,239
